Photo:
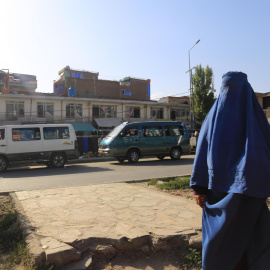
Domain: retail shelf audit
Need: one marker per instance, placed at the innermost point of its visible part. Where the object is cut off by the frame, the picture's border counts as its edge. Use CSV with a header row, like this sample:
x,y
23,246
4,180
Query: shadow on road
x,y
23,172
164,162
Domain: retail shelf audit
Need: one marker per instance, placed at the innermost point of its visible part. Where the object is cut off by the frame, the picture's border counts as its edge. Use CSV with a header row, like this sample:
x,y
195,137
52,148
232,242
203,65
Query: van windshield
x,y
115,131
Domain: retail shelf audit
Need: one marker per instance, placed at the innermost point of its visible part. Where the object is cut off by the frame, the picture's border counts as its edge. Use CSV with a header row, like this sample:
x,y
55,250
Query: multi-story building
x,y
102,103
17,83
175,100
88,85
102,113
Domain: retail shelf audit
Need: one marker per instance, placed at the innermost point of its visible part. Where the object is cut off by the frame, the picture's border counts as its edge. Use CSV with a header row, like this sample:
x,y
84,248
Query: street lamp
x,y
192,118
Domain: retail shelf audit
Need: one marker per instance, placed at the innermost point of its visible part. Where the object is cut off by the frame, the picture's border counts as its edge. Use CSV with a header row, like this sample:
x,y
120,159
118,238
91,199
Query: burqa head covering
x,y
233,150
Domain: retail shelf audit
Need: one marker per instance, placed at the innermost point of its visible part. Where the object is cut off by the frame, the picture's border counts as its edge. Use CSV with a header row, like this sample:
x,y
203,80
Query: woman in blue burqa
x,y
231,179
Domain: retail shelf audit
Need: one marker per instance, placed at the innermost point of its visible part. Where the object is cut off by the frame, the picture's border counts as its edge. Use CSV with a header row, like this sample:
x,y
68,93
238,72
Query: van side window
x,y
149,131
131,131
54,133
25,134
174,130
2,134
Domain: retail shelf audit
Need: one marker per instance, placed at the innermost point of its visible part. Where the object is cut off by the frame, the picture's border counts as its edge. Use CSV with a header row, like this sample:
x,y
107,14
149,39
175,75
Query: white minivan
x,y
52,144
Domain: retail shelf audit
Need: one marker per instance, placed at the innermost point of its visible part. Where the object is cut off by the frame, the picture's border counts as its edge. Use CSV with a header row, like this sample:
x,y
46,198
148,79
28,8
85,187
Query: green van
x,y
134,140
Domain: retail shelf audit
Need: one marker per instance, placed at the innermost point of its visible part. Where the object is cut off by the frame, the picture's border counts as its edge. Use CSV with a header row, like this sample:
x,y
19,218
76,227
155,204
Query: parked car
x,y
132,141
51,144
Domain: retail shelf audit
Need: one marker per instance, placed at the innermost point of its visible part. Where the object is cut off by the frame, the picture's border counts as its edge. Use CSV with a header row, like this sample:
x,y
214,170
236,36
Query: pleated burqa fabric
x,y
233,162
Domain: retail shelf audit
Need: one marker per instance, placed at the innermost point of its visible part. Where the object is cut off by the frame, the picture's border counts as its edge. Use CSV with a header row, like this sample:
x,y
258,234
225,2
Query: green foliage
x,y
7,220
171,183
20,255
10,232
193,257
152,182
13,243
175,184
203,93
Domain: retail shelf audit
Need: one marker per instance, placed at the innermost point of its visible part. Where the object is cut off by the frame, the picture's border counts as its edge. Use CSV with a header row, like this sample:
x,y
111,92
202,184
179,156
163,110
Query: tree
x,y
203,92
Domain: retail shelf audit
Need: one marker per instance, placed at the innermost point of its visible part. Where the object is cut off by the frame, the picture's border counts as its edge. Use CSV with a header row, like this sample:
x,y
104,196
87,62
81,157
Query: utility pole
x,y
192,116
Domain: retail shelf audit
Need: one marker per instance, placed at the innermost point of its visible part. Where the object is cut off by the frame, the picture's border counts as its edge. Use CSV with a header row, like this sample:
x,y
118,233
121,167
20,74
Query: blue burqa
x,y
233,162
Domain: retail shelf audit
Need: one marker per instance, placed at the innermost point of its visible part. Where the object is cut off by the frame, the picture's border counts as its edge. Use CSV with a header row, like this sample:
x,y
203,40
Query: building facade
x,y
87,84
17,83
81,97
104,104
102,113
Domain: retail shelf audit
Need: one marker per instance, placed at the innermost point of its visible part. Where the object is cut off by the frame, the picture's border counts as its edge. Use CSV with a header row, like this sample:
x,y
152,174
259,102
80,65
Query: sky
x,y
150,39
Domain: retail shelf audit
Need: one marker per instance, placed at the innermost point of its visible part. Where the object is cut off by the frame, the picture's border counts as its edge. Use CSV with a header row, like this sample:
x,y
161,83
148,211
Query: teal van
x,y
132,141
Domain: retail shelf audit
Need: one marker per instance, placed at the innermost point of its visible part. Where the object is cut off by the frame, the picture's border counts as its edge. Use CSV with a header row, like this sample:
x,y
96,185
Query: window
x,y
174,130
73,110
156,113
130,131
104,111
45,109
54,133
14,109
2,134
25,134
179,114
77,75
127,93
133,112
152,131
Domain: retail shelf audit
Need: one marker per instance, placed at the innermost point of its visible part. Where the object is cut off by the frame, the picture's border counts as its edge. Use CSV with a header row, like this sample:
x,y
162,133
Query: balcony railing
x,y
30,119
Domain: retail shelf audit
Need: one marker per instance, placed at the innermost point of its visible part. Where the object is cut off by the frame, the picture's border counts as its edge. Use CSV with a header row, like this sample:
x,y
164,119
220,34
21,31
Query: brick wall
x,y
91,87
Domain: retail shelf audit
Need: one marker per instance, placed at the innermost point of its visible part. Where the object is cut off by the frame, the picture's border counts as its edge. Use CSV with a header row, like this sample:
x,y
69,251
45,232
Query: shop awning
x,y
108,122
83,127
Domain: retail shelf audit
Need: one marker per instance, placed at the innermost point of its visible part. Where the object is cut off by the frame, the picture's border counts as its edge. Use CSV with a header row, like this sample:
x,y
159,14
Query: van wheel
x,y
3,164
133,156
121,159
161,157
57,160
175,153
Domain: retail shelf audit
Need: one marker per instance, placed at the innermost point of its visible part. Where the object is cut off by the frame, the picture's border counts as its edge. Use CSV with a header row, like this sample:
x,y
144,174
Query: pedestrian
x,y
231,179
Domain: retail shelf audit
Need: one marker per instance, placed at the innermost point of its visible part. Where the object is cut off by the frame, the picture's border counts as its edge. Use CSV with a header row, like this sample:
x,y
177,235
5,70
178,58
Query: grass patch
x,y
171,183
193,257
12,243
152,182
10,232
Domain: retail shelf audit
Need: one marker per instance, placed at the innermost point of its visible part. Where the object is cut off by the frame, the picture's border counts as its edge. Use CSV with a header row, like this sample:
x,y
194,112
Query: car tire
x,y
160,157
175,153
3,163
133,156
58,160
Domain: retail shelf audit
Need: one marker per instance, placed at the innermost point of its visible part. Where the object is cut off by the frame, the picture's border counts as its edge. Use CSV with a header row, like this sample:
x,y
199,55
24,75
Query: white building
x,y
101,113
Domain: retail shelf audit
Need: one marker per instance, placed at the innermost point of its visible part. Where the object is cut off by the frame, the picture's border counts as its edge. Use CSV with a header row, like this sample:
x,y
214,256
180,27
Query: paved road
x,y
83,174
